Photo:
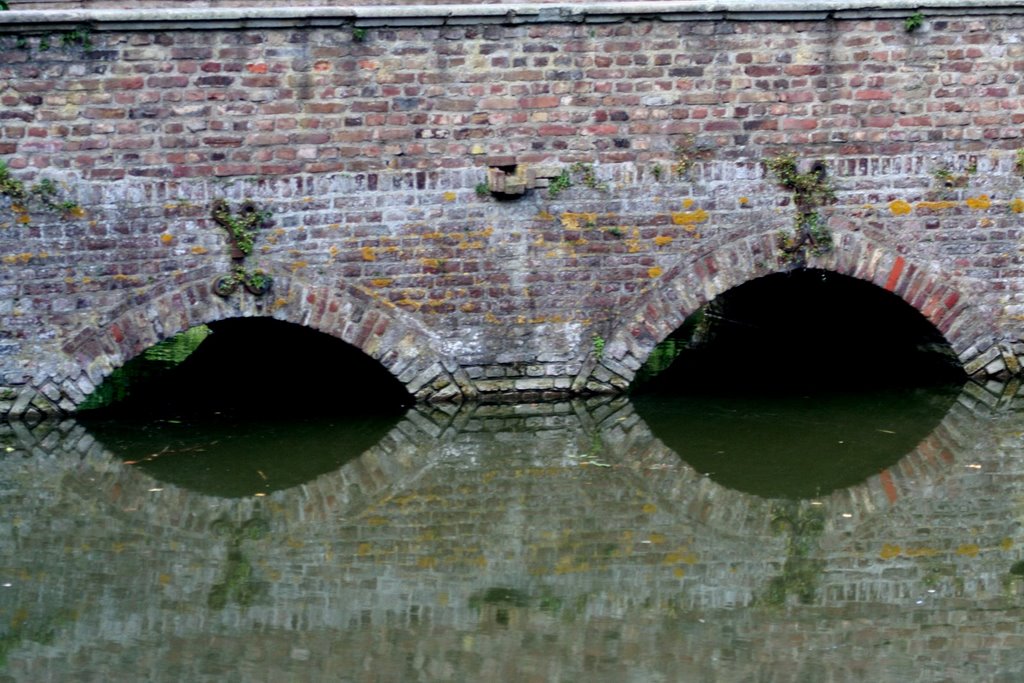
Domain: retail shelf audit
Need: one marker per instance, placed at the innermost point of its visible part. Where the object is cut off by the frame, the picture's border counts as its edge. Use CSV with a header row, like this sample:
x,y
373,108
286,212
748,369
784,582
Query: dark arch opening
x,y
797,384
800,330
245,406
251,366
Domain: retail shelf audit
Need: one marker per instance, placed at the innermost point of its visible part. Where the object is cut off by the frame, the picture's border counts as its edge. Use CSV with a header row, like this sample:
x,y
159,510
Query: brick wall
x,y
368,134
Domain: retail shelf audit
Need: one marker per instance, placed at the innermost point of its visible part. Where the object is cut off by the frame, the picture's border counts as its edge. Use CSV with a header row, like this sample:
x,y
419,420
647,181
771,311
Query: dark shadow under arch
x,y
801,329
262,366
396,341
944,302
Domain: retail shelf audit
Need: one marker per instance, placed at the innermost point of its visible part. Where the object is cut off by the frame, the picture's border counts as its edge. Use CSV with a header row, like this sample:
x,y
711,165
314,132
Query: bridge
x,y
498,200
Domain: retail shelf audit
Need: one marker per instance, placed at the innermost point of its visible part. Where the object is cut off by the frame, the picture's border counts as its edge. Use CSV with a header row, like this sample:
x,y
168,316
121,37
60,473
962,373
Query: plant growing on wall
x,y
44,195
688,153
241,226
950,179
579,171
913,22
811,190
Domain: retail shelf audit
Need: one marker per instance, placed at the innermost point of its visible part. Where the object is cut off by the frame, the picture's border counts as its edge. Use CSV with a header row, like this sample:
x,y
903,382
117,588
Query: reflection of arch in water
x,y
413,446
737,552
129,493
794,445
682,487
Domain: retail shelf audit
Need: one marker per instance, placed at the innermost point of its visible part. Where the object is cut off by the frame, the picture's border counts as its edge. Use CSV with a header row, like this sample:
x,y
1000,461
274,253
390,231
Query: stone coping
x,y
565,11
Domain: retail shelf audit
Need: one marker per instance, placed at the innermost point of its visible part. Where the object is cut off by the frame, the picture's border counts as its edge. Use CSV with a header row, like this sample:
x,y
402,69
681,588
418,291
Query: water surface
x,y
552,542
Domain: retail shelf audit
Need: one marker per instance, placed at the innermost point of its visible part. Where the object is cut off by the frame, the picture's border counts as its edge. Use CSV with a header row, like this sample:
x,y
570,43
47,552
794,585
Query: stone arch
x,y
943,301
385,333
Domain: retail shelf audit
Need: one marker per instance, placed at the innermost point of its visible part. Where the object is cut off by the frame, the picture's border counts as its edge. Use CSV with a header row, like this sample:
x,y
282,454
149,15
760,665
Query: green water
x,y
795,445
233,457
607,540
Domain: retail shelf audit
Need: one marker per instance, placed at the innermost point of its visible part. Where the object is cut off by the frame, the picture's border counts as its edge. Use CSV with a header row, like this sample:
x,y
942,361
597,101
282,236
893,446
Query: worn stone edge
x,y
427,15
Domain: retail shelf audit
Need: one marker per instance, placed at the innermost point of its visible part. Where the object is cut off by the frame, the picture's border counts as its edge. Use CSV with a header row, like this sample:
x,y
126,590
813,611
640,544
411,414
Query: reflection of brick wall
x,y
369,149
634,562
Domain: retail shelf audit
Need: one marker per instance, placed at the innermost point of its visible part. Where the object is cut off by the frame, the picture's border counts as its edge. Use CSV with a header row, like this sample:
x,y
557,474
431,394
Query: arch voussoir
x,y
381,331
689,285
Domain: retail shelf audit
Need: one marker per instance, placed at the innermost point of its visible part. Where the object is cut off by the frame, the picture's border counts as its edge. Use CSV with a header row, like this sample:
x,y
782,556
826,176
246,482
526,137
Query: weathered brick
x,y
369,155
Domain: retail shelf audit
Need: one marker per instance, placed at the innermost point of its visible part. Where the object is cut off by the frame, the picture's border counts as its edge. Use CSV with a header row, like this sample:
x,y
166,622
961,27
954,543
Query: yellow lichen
x,y
900,207
980,202
449,196
689,218
297,265
409,303
369,254
167,238
654,271
968,550
889,551
574,221
744,201
1017,205
687,203
936,205
381,281
198,250
663,240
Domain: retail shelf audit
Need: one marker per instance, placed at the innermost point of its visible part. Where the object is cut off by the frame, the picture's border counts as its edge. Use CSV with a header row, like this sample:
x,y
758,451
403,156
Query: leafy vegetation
x,y
811,190
913,22
949,178
560,183
153,362
579,171
44,195
241,225
687,154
